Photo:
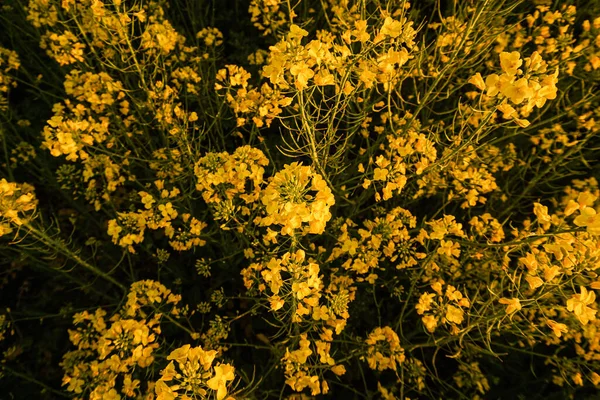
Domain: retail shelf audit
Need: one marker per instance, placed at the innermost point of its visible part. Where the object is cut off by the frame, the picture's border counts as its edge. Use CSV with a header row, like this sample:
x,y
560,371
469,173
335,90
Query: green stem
x,y
33,380
60,247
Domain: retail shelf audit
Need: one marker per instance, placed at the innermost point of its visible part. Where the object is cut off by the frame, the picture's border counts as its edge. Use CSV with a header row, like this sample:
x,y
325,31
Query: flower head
x,y
295,196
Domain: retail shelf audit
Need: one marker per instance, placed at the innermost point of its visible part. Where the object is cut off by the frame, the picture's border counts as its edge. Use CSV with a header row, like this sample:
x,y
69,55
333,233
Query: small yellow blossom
x,y
454,314
223,374
510,62
557,327
579,305
512,305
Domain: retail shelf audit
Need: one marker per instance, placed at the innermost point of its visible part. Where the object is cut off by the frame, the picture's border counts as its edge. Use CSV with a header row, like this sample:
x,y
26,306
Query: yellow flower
x,y
454,314
430,323
518,91
112,394
534,281
296,32
360,32
579,303
584,199
557,327
380,174
589,219
513,305
507,110
478,81
391,27
301,355
510,62
338,370
541,212
495,84
386,355
424,303
276,302
223,373
180,354
595,378
324,78
164,392
302,73
297,195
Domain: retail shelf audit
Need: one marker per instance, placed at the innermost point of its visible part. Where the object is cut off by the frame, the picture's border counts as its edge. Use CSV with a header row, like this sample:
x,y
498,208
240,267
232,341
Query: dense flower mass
x,y
17,204
344,199
295,196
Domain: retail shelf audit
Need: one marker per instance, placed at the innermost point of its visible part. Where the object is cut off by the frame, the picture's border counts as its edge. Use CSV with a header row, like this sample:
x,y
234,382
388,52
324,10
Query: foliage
x,y
332,199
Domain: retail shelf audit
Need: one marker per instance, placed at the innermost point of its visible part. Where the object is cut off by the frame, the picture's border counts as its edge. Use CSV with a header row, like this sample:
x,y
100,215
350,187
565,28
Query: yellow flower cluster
x,y
531,88
384,350
42,12
296,291
84,124
102,176
167,164
291,281
65,49
98,91
591,33
150,293
384,238
407,152
269,16
222,177
158,213
299,372
17,205
328,60
445,305
446,41
210,36
194,375
159,38
487,227
469,177
165,100
588,216
110,353
9,61
470,376
296,196
556,140
263,105
579,305
5,327
443,234
551,262
21,154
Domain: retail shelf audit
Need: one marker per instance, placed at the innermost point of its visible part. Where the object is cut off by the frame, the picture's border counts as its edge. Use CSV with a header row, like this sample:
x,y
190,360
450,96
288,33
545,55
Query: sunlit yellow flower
x,y
589,219
584,199
454,314
510,62
223,374
297,195
518,91
541,212
430,322
557,327
579,303
391,27
384,350
478,81
512,305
